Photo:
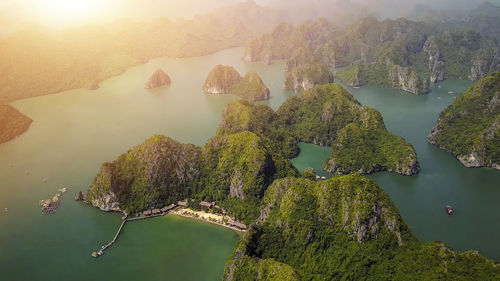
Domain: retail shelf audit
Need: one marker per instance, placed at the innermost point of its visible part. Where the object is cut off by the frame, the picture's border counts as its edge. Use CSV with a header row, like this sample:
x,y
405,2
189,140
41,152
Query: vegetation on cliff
x,y
232,169
250,151
224,79
344,228
470,127
12,123
306,76
398,53
328,115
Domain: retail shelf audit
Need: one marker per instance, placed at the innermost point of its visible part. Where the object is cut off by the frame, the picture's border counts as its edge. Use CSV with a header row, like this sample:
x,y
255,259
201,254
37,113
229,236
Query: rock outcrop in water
x,y
470,127
12,123
225,79
158,79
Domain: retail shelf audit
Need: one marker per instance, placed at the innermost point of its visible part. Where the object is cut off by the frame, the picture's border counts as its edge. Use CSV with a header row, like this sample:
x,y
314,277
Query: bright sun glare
x,y
68,10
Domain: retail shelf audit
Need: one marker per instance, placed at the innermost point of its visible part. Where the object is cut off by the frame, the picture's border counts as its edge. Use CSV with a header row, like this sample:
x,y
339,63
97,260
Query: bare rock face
x,y
108,202
221,79
306,76
236,186
406,79
158,79
484,63
436,62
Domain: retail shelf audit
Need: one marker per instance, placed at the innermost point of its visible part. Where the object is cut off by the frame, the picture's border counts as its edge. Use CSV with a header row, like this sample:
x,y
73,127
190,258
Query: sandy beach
x,y
204,216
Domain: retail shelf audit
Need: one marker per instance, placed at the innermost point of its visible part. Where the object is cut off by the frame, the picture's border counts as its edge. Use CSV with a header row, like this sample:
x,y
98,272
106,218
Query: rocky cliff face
x,y
158,79
226,79
220,80
406,79
101,195
157,172
470,127
436,62
484,63
307,76
12,123
251,88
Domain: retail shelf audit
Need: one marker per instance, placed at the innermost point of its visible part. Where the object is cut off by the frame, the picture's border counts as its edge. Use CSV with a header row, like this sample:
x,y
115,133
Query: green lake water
x,y
74,132
474,194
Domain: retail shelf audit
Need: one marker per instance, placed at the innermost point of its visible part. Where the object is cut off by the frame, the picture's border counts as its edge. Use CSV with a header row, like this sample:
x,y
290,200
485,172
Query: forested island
x,y
400,53
470,127
300,228
343,228
250,150
12,123
224,79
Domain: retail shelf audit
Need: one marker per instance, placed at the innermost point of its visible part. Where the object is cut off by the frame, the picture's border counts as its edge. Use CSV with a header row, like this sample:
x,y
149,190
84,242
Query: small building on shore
x,y
156,211
237,224
206,204
147,213
167,208
182,203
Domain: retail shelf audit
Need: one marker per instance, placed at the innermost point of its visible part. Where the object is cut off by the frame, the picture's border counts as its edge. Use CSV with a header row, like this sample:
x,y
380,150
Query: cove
x,y
473,192
73,133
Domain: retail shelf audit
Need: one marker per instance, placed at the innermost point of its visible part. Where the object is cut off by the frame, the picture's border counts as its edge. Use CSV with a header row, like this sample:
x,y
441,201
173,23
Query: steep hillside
x,y
470,127
345,228
400,53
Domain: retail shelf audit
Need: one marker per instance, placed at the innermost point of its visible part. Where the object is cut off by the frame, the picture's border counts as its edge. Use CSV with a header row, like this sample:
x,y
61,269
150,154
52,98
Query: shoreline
x,y
216,219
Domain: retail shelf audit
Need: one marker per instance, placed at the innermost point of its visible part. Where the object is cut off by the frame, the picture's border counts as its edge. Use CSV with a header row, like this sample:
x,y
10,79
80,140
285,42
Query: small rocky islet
x,y
158,79
223,79
12,123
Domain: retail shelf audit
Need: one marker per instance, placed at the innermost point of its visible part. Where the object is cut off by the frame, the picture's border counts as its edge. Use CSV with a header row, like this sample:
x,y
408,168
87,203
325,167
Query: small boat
x,y
450,92
6,209
449,210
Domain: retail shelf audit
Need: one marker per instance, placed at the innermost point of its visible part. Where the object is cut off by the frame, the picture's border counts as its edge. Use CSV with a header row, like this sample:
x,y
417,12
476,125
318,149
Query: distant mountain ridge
x,y
401,53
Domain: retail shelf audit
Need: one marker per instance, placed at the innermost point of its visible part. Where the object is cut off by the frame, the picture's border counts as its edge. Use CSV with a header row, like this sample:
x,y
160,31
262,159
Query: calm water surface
x,y
76,131
473,193
73,133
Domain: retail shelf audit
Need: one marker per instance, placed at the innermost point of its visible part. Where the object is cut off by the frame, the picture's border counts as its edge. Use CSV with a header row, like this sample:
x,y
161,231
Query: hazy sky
x,y
62,13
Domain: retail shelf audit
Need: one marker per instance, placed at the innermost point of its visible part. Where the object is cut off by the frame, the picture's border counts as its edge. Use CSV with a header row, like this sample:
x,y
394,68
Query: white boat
x,y
450,92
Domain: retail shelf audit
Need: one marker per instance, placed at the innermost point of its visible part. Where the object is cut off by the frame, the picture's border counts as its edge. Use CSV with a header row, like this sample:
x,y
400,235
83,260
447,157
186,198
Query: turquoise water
x,y
74,132
473,193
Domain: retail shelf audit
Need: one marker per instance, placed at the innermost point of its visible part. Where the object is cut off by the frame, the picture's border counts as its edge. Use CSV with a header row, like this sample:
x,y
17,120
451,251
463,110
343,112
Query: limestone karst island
x,y
250,140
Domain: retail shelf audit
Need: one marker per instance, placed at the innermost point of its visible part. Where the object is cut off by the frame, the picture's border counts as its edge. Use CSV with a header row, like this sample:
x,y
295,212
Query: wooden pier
x,y
104,247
